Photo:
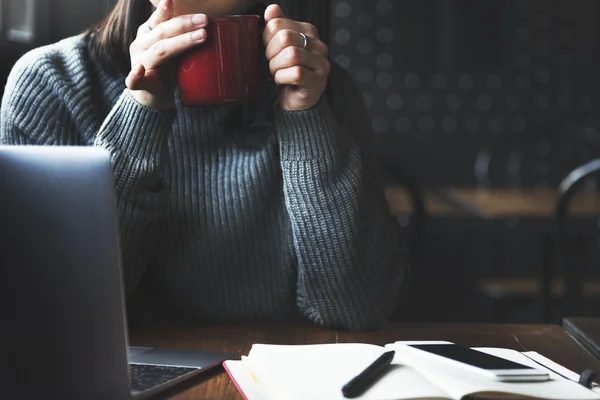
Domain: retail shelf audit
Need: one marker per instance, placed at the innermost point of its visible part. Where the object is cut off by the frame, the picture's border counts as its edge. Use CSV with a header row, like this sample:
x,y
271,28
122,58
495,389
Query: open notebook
x,y
314,372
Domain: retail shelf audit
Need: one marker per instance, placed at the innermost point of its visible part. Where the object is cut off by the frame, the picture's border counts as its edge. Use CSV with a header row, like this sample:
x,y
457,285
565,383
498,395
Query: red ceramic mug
x,y
229,67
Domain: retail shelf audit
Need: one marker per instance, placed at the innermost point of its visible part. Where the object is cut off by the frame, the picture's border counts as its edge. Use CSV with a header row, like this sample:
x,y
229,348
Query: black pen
x,y
362,381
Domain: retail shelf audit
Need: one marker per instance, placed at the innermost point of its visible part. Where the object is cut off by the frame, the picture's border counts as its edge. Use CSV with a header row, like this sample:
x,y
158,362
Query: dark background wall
x,y
54,20
443,77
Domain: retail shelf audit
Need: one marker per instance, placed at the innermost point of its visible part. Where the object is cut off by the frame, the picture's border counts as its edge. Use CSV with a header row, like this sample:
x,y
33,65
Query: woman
x,y
225,216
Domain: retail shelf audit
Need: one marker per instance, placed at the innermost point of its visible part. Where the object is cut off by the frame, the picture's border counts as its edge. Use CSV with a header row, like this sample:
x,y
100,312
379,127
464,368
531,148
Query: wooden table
x,y
549,340
399,202
505,203
490,203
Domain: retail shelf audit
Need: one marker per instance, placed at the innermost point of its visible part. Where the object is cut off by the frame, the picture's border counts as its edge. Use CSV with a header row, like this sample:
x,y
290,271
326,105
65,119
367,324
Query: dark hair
x,y
108,41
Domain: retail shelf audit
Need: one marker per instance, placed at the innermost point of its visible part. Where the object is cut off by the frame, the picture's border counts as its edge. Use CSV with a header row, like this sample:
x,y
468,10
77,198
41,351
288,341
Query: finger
x,y
278,24
296,76
282,40
273,11
163,12
295,56
174,27
164,50
287,37
146,81
317,47
135,77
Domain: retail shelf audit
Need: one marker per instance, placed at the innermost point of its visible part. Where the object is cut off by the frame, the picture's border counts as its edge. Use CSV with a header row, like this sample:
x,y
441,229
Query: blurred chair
x,y
539,160
413,228
571,248
528,162
414,223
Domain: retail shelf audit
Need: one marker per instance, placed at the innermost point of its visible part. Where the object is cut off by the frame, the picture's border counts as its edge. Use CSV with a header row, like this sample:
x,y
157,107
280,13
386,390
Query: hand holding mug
x,y
158,41
297,58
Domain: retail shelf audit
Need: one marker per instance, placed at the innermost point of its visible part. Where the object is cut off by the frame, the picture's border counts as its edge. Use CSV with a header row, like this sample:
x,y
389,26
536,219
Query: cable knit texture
x,y
215,227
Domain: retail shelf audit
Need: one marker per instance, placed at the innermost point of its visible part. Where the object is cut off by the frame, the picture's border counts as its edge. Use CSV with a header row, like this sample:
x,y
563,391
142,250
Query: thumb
x,y
272,12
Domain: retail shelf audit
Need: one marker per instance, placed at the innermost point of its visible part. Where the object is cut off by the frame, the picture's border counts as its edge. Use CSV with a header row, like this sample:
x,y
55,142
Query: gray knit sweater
x,y
215,224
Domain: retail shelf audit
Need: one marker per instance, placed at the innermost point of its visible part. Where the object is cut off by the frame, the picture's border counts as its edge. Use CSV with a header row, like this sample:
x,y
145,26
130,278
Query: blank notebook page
x,y
315,372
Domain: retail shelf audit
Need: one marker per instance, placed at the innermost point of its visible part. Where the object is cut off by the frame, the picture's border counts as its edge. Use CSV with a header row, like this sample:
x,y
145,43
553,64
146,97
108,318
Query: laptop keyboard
x,y
144,377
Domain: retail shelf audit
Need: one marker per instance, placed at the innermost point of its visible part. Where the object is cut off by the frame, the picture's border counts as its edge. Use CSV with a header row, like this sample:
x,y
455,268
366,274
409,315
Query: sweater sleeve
x,y
42,105
136,138
352,262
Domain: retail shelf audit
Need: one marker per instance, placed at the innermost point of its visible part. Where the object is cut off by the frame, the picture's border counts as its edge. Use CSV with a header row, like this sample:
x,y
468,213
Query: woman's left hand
x,y
298,63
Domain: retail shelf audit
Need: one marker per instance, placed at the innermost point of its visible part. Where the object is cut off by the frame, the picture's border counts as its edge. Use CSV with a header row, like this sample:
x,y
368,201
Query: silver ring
x,y
305,38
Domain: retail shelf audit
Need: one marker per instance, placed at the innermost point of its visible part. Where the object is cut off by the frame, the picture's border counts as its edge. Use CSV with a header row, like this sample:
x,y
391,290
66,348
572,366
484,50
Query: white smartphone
x,y
476,361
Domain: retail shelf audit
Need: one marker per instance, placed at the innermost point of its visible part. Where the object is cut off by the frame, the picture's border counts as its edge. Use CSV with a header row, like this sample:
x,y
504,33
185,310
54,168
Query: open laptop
x,y
63,329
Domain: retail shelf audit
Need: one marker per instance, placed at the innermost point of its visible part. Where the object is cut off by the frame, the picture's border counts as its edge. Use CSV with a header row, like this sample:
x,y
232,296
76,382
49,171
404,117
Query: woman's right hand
x,y
158,42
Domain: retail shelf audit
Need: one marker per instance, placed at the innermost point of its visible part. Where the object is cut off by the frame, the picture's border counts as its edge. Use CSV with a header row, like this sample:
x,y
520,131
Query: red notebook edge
x,y
237,386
